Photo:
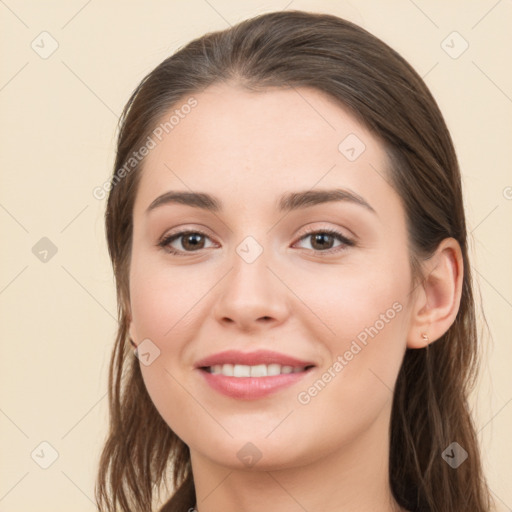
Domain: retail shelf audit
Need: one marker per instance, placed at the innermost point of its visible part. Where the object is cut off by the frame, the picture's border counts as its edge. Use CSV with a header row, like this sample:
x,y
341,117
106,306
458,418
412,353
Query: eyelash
x,y
346,242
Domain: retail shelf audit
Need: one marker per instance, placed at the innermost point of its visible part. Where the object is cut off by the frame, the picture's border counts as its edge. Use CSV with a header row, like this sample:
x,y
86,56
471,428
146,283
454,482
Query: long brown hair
x,y
430,407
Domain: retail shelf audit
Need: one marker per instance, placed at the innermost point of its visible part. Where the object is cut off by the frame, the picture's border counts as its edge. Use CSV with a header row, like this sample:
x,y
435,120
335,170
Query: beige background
x,y
59,114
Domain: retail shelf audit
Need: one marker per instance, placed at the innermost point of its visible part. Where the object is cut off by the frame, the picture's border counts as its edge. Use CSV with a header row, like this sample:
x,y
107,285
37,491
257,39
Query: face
x,y
278,318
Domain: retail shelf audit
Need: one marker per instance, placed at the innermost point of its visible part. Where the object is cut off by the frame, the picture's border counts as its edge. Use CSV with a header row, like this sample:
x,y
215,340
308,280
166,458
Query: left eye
x,y
322,240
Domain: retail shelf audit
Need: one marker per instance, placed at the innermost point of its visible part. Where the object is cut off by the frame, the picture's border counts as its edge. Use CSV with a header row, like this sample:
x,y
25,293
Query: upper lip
x,y
251,359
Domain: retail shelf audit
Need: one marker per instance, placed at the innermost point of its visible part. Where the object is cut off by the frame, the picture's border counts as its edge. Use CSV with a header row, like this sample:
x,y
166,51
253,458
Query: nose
x,y
251,296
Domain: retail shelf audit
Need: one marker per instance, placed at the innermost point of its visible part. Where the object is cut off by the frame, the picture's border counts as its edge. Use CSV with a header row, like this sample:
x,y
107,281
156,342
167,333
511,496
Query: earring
x,y
424,336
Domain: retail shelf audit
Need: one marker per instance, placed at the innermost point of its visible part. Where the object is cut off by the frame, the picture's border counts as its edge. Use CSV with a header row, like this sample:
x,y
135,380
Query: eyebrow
x,y
288,202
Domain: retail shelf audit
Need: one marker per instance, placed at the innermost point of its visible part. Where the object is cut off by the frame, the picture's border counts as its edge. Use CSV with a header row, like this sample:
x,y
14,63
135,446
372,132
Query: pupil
x,y
321,239
192,237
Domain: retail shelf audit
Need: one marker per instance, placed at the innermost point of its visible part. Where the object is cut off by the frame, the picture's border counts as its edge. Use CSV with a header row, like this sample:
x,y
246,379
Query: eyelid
x,y
182,231
308,230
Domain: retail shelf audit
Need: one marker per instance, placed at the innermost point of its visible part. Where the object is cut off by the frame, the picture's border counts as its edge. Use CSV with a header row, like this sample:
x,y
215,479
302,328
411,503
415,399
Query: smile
x,y
251,375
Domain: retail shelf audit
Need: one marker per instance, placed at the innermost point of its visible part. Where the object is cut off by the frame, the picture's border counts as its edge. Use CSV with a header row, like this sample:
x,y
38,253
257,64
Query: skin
x,y
247,149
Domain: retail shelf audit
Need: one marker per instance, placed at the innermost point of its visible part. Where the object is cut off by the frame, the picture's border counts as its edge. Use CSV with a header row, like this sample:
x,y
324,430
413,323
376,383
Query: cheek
x,y
362,320
354,387
353,301
366,342
165,306
163,300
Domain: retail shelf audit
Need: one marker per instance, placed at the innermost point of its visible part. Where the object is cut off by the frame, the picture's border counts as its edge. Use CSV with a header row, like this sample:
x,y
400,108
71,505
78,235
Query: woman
x,y
288,237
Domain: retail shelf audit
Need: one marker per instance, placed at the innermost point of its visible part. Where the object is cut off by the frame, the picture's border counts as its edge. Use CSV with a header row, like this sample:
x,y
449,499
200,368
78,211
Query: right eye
x,y
192,241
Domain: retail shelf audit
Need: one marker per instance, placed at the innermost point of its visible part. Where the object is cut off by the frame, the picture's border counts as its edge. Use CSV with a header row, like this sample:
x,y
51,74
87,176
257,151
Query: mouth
x,y
252,375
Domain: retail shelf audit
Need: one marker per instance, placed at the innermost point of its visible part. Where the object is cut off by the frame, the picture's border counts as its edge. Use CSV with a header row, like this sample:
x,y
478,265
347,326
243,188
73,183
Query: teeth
x,y
226,369
273,369
259,370
241,370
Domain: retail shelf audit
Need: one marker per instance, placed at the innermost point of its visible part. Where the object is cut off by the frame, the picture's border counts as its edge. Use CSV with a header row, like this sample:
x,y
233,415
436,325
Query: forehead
x,y
247,146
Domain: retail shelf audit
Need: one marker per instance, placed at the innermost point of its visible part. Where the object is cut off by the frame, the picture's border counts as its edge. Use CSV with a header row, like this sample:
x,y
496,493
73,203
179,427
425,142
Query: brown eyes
x,y
193,241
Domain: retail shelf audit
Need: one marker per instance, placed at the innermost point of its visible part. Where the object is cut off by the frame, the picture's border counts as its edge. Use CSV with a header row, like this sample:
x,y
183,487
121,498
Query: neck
x,y
353,478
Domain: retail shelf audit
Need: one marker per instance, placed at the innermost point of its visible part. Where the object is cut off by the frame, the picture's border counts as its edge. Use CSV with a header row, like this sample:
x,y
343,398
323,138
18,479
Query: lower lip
x,y
251,388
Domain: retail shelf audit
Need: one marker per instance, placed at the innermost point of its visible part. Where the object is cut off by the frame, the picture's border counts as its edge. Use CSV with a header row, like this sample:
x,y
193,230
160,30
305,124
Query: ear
x,y
438,296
